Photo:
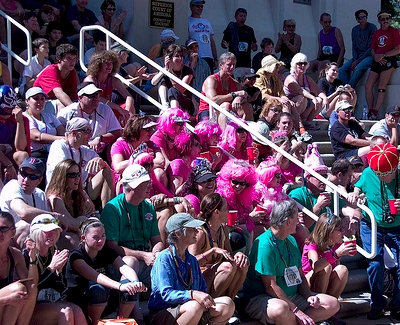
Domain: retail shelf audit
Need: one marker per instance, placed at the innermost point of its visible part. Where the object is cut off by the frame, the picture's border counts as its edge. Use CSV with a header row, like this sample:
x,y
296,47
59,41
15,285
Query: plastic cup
x,y
260,208
206,154
393,209
250,153
351,242
232,217
214,149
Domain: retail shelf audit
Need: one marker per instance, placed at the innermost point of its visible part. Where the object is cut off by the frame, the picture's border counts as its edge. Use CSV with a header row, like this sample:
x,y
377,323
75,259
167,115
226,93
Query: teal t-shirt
x,y
370,185
129,225
265,259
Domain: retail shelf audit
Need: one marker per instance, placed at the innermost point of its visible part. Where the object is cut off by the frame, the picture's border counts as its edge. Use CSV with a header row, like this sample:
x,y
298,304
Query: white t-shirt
x,y
33,69
102,120
12,191
201,30
61,150
48,124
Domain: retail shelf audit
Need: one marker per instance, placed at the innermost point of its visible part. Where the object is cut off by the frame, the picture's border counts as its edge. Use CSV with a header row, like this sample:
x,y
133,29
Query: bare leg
x,y
163,93
162,217
279,313
102,184
247,112
222,311
382,83
319,281
236,283
337,281
10,313
221,277
221,117
329,306
19,156
191,313
94,313
126,309
371,81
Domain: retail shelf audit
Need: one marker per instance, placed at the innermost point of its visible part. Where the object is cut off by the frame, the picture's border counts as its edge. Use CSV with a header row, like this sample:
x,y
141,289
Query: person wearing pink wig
x,y
209,134
235,183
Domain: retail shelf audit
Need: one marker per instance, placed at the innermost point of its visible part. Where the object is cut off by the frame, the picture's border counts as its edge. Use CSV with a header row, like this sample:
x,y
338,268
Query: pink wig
x,y
266,171
205,129
166,123
229,139
184,141
237,169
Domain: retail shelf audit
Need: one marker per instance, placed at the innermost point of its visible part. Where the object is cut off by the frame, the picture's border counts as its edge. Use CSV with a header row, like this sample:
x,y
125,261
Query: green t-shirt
x,y
369,184
129,225
265,259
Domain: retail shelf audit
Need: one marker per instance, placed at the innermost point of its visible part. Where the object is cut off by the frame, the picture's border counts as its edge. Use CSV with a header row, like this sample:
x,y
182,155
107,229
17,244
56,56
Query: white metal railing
x,y
337,191
8,47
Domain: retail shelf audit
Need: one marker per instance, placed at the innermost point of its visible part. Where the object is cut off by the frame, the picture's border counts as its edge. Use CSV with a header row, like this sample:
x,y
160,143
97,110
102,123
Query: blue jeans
x,y
358,72
390,237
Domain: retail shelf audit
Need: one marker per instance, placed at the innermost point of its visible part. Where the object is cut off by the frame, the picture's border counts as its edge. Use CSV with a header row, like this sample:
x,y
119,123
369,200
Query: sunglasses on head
x,y
74,175
95,95
241,130
6,229
236,182
32,177
46,221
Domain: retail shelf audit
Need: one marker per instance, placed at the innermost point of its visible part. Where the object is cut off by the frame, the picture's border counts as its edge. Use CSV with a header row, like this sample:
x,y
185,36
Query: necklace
x,y
187,285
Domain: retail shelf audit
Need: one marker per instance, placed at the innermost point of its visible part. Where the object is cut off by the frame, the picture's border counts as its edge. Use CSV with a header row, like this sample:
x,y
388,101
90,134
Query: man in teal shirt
x,y
276,290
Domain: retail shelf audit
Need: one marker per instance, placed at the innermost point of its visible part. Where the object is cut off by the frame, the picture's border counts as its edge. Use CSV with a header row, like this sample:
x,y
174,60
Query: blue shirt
x,y
168,289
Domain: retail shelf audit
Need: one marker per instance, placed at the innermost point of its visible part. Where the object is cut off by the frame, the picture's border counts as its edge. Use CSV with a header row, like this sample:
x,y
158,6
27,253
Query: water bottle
x,y
365,113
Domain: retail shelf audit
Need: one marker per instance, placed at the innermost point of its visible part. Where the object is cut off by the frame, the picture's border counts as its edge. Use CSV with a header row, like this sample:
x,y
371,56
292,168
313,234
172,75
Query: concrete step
x,y
328,159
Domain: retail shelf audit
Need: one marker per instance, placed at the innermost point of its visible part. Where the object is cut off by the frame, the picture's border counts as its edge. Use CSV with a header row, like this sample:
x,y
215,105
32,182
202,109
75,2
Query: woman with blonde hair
x,y
101,71
66,196
288,44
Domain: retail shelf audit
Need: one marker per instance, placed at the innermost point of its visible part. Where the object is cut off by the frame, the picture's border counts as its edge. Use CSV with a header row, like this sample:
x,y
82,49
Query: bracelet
x,y
9,165
176,200
119,288
295,310
133,281
35,262
203,256
334,255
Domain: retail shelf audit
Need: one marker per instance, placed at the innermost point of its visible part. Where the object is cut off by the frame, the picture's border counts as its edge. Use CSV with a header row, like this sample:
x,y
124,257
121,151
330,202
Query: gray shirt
x,y
381,128
361,41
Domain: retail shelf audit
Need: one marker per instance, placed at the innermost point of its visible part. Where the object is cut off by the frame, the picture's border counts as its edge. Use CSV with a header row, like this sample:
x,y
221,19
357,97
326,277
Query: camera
x,y
387,217
344,88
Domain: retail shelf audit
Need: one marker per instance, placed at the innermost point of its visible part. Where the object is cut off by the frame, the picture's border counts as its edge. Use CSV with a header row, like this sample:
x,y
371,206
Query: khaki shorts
x,y
169,316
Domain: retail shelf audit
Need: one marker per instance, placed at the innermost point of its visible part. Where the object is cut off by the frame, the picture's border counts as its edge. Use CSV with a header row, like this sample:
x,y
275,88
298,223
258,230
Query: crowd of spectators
x,y
106,204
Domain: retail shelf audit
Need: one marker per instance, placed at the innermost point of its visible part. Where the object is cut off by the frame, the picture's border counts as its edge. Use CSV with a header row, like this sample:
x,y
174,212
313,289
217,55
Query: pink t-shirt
x,y
159,140
178,167
313,247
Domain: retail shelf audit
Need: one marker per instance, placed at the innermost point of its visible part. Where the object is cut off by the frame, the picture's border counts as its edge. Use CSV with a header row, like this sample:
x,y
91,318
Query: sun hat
x,y
44,222
383,159
313,159
268,64
134,175
181,220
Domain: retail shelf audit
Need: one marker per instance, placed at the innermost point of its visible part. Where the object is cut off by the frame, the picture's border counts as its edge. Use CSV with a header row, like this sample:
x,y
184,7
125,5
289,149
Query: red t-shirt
x,y
385,40
50,78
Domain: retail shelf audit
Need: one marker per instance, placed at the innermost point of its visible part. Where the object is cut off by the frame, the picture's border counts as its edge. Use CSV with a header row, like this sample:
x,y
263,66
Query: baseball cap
x,y
247,73
355,161
343,104
179,119
76,123
190,41
181,220
392,109
134,175
36,164
45,222
203,175
168,33
34,91
196,2
87,88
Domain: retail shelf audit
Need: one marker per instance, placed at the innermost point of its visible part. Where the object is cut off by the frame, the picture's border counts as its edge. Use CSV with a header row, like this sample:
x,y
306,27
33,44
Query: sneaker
x,y
375,314
306,137
234,320
372,115
311,126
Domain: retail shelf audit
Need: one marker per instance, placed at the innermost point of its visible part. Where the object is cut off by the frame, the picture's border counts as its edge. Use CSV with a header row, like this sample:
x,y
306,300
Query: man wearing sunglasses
x,y
23,199
389,126
348,138
96,176
361,37
102,120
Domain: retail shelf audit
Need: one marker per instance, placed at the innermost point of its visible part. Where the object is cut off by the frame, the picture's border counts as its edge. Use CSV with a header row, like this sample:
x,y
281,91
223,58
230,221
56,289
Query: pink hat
x,y
313,159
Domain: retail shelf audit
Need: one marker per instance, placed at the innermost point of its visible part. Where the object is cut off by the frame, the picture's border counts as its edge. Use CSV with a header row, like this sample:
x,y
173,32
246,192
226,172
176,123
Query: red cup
x,y
260,208
214,149
206,154
352,242
232,218
250,153
393,209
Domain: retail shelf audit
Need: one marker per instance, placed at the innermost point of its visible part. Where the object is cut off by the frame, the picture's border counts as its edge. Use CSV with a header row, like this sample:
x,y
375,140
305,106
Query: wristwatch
x,y
233,95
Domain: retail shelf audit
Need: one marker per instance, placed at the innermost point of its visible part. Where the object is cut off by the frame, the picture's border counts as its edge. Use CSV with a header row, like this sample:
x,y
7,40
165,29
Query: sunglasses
x,y
6,229
276,110
302,63
87,131
362,18
385,19
47,221
32,177
95,95
347,110
241,130
236,182
339,229
290,26
111,9
278,175
74,175
198,6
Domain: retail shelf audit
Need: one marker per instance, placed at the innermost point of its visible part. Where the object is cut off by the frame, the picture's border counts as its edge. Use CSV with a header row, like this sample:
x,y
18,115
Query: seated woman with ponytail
x,y
224,272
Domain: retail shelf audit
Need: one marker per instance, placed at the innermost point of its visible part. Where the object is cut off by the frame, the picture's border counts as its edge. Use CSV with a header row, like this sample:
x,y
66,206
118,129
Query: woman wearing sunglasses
x,y
66,196
18,296
385,47
52,284
235,183
107,19
300,87
288,44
